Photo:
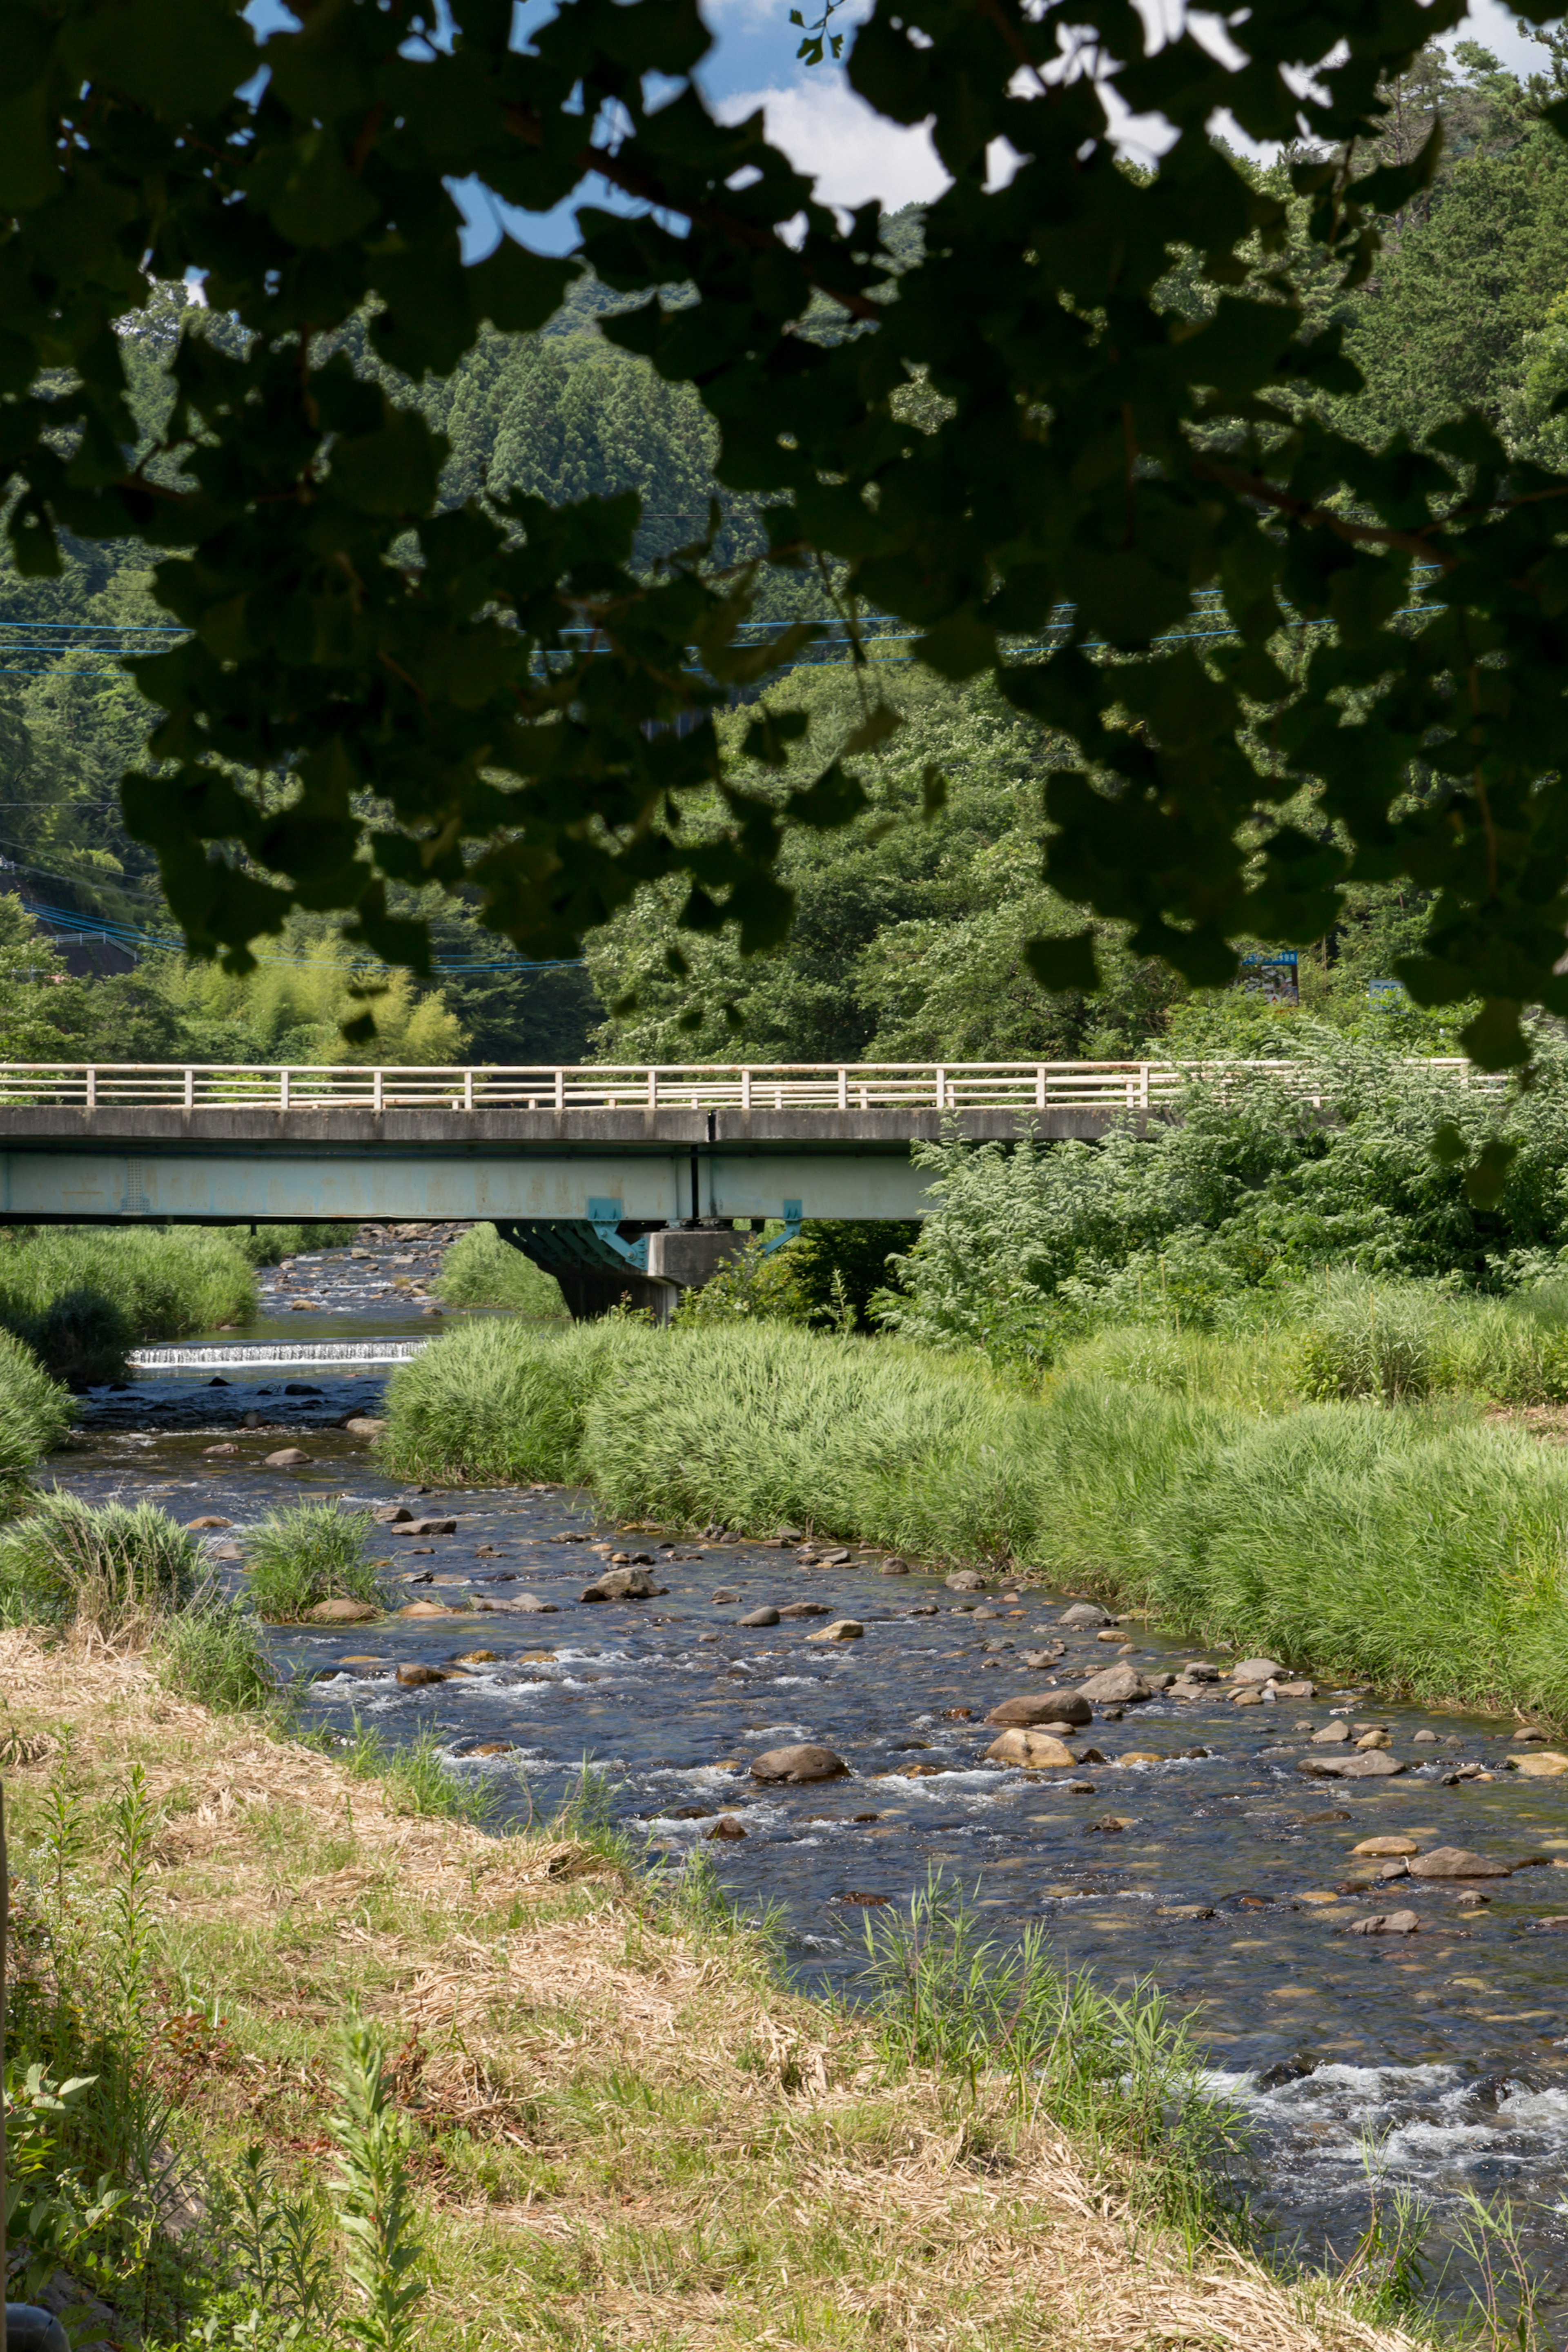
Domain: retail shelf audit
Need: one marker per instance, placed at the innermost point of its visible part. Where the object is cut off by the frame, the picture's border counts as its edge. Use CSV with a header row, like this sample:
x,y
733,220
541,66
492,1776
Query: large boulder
x,y
1086,1612
1385,1923
1545,1764
1037,1752
343,1613
1050,1706
288,1457
623,1584
965,1579
843,1629
805,1762
1116,1687
1456,1862
1378,1766
1257,1669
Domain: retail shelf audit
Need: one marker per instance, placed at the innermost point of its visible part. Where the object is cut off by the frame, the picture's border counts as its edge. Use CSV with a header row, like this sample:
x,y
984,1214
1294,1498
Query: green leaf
x,y
1061,964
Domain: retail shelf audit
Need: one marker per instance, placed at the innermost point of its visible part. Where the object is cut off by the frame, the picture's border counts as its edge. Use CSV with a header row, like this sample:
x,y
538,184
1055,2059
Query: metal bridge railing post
x,y
92,1089
282,1089
190,1089
467,1090
560,1089
377,1091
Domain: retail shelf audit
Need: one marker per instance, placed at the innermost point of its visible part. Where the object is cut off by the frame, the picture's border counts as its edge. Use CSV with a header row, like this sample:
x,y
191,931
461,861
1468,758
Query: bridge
x,y
611,1176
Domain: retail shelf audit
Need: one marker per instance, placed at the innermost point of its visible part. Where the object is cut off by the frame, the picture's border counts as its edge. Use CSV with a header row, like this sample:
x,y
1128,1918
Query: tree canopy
x,y
1085,393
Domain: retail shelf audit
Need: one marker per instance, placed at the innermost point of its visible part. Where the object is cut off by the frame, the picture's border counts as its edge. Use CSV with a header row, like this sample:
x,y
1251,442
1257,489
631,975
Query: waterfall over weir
x,y
273,1355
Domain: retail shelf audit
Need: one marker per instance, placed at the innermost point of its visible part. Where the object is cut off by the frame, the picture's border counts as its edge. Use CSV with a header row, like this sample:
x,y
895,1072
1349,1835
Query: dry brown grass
x,y
628,2135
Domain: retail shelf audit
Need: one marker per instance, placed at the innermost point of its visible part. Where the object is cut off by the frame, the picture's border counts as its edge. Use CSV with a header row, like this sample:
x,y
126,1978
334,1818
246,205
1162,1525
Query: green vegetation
x,y
207,2025
1416,1545
113,1570
310,1552
34,1410
1124,2077
480,1269
81,1296
214,1652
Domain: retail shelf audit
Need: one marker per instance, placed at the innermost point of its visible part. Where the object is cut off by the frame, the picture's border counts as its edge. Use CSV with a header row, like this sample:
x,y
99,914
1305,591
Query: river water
x,y
1439,2058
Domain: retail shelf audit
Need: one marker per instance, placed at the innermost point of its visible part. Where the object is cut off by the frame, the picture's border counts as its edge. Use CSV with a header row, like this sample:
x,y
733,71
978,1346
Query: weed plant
x,y
308,1553
416,1775
213,1653
480,1269
115,1570
1122,2077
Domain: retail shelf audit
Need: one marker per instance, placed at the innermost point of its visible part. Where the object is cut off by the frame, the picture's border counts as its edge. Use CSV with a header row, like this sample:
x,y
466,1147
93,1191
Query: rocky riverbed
x,y
1363,1905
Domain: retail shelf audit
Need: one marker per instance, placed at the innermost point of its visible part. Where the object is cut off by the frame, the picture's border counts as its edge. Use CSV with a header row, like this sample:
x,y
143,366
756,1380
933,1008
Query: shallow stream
x,y
1211,1865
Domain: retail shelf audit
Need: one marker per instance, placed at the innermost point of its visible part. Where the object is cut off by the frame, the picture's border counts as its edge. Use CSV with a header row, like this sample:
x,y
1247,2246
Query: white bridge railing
x,y
700,1086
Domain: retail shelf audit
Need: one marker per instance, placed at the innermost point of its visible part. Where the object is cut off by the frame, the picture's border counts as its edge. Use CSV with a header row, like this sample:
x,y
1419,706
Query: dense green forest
x,y
911,931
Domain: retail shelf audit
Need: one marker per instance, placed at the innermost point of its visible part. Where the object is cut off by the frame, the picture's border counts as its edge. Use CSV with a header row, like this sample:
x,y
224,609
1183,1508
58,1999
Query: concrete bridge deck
x,y
606,1146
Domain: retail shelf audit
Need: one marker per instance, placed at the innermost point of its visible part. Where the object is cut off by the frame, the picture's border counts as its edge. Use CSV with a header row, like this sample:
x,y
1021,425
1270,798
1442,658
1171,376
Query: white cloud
x,y
834,138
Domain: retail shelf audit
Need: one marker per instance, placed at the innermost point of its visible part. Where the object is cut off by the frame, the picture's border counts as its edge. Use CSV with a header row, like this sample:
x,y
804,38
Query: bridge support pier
x,y
597,1262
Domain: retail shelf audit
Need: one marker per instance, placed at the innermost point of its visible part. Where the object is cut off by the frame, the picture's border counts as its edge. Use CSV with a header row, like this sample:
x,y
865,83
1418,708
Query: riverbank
x,y
1419,1544
617,2128
80,1297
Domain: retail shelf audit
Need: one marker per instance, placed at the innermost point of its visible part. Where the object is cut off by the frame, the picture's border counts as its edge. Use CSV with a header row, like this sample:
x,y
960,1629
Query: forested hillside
x,y
910,932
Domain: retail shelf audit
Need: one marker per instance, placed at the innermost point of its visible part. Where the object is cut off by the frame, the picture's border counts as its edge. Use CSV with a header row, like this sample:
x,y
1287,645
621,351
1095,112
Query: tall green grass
x,y
311,1552
108,1568
1124,2077
1417,1544
480,1269
34,1410
82,1297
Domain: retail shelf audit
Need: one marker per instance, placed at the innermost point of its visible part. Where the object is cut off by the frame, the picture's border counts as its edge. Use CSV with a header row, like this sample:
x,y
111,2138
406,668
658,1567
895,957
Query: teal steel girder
x,y
193,1183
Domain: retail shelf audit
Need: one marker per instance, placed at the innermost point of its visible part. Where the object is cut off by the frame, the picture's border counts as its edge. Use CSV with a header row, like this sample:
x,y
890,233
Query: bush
x,y
213,1653
825,1279
311,1552
1247,1191
111,1569
480,1269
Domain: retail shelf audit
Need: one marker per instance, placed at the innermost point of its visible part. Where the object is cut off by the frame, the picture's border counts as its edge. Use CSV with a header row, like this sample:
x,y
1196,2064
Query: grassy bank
x,y
1420,1544
604,2122
81,1296
480,1269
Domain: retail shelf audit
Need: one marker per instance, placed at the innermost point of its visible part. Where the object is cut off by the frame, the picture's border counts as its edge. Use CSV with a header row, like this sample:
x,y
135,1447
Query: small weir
x,y
1186,1847
269,1355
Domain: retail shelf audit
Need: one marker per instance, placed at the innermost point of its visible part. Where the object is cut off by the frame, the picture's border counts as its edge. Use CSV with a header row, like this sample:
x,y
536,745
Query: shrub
x,y
310,1552
111,1569
480,1269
